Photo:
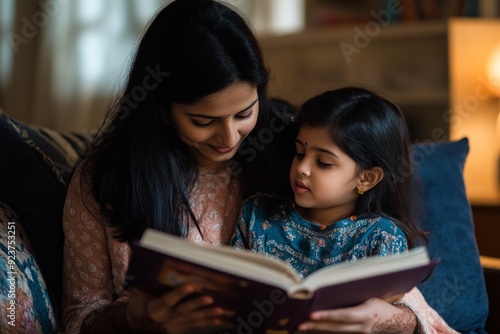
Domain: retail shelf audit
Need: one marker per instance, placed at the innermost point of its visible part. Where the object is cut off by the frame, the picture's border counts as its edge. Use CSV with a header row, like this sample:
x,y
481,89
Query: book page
x,y
367,267
237,262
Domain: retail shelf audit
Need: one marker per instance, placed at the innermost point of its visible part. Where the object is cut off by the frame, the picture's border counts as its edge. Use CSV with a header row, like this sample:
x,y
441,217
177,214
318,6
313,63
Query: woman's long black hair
x,y
373,132
141,171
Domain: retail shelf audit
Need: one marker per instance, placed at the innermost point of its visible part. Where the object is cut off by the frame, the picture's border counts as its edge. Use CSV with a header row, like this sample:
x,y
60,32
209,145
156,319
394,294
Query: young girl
x,y
351,197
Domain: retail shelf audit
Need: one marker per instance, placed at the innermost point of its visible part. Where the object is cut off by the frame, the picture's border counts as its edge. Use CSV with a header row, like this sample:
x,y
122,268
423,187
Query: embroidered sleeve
x,y
387,238
428,320
89,283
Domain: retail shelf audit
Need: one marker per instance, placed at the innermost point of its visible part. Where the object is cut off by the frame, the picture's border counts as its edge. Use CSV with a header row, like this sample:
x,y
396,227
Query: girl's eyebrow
x,y
319,149
216,117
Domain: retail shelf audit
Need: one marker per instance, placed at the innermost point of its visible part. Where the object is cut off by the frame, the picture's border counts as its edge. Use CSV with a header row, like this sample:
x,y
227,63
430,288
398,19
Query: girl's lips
x,y
220,149
300,188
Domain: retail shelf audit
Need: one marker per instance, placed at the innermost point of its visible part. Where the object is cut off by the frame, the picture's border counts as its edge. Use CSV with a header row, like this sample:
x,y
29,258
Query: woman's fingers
x,y
178,311
211,318
170,299
201,320
202,302
195,311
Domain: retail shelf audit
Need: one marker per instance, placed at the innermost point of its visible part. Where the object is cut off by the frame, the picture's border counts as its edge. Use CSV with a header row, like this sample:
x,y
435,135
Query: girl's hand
x,y
168,314
373,316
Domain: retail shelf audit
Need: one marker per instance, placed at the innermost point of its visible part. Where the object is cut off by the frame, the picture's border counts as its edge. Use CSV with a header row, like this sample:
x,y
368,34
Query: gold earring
x,y
361,191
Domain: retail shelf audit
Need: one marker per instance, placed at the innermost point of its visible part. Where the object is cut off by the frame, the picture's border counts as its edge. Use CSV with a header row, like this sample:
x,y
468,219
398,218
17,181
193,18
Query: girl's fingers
x,y
354,314
336,321
332,327
373,316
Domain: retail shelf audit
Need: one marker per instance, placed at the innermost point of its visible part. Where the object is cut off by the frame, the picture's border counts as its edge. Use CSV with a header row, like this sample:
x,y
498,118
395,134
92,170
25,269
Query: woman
x,y
177,153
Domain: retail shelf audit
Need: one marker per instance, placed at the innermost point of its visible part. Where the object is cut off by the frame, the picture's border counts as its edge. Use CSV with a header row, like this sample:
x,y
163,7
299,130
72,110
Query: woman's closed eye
x,y
244,115
202,124
205,123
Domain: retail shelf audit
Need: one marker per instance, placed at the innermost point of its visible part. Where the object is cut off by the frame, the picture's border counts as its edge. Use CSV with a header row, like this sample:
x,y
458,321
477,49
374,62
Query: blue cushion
x,y
25,306
456,290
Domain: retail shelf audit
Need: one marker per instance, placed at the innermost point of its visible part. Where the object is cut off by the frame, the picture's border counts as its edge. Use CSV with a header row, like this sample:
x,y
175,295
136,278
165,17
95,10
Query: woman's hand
x,y
169,314
373,316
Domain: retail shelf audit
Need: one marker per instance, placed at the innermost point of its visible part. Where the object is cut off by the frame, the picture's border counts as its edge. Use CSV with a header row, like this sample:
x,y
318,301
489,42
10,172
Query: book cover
x,y
265,293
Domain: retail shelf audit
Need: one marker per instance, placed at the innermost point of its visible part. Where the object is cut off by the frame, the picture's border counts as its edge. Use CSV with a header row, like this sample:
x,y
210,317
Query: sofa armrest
x,y
491,269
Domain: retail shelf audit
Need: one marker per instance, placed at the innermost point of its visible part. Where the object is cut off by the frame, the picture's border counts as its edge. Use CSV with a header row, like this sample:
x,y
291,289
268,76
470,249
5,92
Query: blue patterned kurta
x,y
271,226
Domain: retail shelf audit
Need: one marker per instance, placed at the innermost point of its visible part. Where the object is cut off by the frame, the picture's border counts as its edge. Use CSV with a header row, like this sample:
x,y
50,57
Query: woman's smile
x,y
221,149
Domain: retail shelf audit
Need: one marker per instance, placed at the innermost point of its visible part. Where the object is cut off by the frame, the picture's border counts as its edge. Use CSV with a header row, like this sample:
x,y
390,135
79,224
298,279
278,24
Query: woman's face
x,y
215,127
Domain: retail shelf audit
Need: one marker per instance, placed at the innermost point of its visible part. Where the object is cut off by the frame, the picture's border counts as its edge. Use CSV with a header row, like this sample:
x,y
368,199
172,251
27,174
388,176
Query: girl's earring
x,y
166,122
361,191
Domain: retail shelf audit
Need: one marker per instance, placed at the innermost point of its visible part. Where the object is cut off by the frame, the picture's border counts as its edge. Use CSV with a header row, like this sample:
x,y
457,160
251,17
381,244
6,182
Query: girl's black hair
x,y
373,132
141,171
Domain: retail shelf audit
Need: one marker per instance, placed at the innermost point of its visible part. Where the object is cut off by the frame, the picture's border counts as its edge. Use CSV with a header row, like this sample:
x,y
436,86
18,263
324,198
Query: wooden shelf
x,y
408,63
422,98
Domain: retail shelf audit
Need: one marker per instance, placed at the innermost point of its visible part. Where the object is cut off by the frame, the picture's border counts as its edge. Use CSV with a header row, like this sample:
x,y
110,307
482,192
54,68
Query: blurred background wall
x,y
63,61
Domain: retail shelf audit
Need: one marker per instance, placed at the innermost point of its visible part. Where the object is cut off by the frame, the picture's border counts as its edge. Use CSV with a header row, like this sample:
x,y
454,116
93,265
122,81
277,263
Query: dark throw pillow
x,y
456,290
35,167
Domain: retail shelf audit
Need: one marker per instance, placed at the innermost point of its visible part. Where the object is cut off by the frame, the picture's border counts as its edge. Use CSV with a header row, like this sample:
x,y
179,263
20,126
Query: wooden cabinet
x,y
487,227
407,63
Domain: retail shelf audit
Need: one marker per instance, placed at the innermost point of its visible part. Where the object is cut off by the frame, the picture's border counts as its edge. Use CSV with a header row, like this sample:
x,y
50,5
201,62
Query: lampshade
x,y
475,102
493,72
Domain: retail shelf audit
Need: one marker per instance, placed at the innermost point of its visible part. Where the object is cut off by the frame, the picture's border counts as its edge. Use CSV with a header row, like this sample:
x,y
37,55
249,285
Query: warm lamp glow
x,y
494,82
498,131
474,51
494,72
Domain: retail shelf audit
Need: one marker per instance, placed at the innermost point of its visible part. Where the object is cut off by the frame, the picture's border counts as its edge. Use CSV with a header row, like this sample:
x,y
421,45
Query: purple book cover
x,y
156,273
286,318
260,307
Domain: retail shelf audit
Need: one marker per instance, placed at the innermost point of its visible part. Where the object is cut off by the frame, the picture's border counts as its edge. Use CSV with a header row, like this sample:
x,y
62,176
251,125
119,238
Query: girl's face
x,y
323,178
215,127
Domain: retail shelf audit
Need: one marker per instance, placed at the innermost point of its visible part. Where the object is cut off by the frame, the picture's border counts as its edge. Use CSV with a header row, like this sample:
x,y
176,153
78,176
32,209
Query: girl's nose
x,y
303,168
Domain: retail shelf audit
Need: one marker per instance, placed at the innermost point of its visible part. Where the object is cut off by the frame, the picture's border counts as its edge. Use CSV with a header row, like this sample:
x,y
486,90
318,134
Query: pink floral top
x,y
95,263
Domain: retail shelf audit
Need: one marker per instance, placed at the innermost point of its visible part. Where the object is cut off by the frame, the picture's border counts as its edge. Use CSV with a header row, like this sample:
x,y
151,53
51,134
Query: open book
x,y
265,292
